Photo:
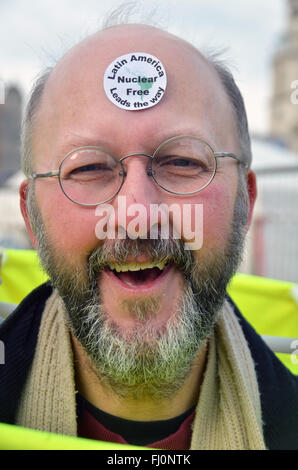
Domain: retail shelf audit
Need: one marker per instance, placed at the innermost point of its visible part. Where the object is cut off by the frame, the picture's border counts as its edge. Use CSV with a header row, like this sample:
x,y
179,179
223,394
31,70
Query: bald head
x,y
74,91
98,50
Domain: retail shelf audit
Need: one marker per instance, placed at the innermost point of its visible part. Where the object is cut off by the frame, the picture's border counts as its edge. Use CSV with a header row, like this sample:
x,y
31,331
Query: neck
x,y
143,408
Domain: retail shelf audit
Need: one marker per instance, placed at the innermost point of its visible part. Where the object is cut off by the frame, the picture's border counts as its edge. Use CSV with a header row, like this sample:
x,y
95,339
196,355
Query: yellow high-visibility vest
x,y
18,438
270,306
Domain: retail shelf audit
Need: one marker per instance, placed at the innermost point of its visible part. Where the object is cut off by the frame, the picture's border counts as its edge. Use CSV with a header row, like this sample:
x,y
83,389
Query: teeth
x,y
136,266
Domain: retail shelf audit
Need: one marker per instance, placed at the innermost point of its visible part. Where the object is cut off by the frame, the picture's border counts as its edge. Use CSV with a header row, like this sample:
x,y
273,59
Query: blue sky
x,y
33,34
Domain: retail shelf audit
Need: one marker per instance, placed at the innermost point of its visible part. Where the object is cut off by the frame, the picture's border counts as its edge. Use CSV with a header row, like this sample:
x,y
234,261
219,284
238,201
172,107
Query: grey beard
x,y
143,361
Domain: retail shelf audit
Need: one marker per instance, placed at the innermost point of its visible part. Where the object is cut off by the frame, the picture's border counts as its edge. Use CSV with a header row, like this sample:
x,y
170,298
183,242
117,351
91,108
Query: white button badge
x,y
135,81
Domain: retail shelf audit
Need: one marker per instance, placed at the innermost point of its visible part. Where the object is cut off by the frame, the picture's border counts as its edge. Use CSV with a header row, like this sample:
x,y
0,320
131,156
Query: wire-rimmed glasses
x,y
181,165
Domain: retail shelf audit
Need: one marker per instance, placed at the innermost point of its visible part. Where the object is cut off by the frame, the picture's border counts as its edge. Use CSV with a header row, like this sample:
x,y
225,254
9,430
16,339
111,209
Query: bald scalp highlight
x,y
121,17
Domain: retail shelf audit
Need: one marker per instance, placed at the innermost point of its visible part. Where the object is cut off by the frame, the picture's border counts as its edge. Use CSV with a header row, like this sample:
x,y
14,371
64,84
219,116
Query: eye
x,y
89,172
177,162
182,162
89,168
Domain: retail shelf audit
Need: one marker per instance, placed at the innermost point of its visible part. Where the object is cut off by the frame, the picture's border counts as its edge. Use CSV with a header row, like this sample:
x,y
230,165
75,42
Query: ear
x,y
23,205
252,194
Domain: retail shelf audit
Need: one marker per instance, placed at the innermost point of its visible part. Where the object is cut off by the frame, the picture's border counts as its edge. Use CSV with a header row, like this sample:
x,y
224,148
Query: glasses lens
x,y
90,175
184,164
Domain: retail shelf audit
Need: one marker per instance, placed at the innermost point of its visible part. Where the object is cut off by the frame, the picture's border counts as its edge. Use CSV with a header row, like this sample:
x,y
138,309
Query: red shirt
x,y
89,427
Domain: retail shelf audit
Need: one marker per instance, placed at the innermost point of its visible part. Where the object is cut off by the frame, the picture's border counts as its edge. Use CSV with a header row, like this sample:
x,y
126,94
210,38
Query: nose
x,y
148,170
138,183
135,214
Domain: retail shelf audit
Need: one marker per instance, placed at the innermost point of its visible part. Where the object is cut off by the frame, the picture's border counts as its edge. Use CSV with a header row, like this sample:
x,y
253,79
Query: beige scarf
x,y
228,414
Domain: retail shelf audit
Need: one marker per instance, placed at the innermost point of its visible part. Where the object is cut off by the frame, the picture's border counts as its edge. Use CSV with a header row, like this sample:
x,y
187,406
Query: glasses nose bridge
x,y
149,170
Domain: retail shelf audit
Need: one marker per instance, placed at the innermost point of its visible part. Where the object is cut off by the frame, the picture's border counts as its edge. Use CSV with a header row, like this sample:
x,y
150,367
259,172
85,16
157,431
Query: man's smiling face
x,y
132,299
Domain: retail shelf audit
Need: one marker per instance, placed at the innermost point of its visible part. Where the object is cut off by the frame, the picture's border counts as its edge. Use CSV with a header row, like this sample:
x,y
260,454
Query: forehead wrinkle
x,y
74,141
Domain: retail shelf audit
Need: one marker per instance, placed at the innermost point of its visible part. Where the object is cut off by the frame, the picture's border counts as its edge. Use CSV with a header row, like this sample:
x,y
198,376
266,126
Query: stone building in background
x,y
284,113
10,125
12,228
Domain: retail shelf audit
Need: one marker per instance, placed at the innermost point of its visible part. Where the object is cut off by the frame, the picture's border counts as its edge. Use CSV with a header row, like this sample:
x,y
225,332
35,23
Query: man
x,y
138,341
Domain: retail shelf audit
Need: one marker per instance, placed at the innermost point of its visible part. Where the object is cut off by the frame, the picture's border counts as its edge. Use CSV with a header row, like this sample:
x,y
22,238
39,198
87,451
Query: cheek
x,y
70,227
218,218
213,219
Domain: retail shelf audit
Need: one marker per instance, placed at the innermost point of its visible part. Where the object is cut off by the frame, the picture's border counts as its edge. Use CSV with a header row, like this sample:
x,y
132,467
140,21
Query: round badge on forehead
x,y
135,81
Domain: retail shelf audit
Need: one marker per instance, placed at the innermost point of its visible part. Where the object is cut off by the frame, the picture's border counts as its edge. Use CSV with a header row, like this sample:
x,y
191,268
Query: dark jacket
x,y
278,387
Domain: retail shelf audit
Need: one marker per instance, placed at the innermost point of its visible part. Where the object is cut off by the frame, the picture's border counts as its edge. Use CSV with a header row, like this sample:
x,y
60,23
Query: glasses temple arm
x,y
45,175
232,155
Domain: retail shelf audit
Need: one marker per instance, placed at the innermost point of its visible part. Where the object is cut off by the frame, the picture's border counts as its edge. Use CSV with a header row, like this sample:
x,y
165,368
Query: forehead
x,y
74,102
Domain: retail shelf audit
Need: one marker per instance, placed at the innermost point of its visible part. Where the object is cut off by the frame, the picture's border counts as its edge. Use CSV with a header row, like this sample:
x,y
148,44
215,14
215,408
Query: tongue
x,y
136,278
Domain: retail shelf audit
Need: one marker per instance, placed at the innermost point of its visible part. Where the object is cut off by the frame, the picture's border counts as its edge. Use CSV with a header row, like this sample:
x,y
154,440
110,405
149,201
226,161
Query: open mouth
x,y
139,274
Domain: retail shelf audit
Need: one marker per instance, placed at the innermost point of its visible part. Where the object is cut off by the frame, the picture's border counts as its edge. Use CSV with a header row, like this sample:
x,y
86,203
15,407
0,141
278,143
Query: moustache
x,y
157,250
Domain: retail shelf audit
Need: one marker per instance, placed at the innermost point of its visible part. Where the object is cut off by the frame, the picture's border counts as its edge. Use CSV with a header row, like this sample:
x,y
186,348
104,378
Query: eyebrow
x,y
76,141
